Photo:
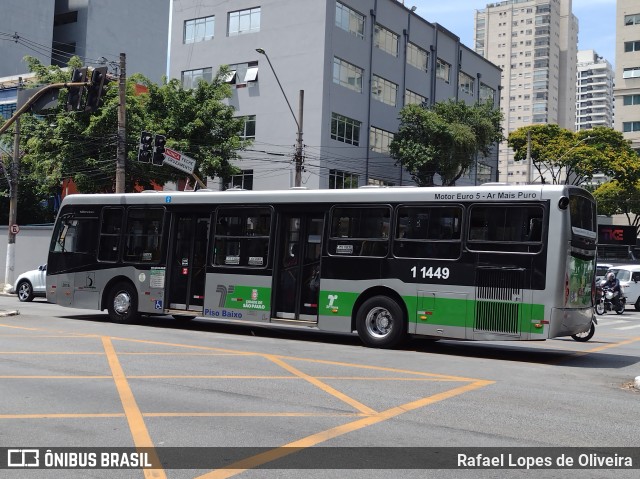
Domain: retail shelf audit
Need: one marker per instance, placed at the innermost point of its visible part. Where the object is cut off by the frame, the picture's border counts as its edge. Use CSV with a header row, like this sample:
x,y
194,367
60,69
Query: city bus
x,y
490,262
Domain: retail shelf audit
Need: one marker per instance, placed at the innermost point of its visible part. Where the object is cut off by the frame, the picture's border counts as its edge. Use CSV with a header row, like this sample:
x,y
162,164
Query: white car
x,y
32,283
629,277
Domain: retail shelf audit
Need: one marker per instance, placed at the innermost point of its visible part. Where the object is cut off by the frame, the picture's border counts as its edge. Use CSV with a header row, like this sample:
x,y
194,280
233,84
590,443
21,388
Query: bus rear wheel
x,y
123,303
380,323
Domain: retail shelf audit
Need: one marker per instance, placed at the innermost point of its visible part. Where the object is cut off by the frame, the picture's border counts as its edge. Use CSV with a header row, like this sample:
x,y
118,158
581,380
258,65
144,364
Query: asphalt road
x,y
69,378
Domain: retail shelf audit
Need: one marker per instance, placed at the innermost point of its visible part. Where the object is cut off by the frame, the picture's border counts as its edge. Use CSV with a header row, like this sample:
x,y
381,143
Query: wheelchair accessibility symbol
x,y
157,304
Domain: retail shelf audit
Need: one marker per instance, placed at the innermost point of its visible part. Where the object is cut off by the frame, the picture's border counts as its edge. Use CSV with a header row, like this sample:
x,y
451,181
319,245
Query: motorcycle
x,y
606,300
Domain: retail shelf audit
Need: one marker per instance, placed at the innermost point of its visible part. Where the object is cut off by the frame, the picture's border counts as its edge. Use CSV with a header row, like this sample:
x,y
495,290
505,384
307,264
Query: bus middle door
x,y
188,257
297,276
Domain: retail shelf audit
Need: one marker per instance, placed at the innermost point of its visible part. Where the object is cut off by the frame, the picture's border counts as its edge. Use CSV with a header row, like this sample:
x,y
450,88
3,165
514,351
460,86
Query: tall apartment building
x,y
534,42
357,61
95,30
594,91
627,89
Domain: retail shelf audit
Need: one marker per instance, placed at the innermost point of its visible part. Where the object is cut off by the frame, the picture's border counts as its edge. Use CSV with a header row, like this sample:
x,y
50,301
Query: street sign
x,y
179,161
15,229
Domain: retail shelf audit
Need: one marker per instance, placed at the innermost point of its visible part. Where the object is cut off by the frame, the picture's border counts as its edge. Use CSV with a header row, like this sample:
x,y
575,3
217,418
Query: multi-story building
x,y
627,89
534,42
594,91
357,61
95,30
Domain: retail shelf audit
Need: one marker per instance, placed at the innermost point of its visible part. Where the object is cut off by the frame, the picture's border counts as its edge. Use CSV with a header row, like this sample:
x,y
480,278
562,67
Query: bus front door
x,y
188,254
297,276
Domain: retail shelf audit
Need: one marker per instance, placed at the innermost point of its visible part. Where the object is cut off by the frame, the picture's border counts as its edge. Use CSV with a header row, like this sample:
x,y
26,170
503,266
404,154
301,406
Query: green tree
x,y
566,157
82,145
444,139
615,198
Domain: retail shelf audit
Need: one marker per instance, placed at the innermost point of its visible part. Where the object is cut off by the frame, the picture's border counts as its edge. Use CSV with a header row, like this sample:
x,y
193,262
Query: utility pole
x,y
14,174
121,156
299,157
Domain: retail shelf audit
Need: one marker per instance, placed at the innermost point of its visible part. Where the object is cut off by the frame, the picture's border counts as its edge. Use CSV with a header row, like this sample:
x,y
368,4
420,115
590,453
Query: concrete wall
x,y
32,247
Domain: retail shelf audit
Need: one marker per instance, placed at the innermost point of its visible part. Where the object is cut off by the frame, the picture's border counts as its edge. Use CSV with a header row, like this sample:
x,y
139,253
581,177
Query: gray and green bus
x,y
491,262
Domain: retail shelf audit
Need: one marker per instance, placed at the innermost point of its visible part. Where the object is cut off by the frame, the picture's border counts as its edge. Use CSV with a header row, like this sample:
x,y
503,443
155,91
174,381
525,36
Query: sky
x,y
597,24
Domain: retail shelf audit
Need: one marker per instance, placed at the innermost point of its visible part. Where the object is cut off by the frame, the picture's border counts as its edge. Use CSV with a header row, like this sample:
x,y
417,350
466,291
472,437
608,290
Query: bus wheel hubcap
x,y
121,303
379,322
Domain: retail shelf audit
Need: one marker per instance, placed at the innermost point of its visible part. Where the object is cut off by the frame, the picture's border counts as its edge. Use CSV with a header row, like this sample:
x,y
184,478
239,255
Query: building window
x,y
244,21
487,93
342,180
346,130
466,83
379,182
417,57
198,29
241,73
190,78
443,70
347,75
379,140
629,100
632,46
630,126
386,40
412,98
384,90
349,20
243,180
65,18
632,19
249,129
633,72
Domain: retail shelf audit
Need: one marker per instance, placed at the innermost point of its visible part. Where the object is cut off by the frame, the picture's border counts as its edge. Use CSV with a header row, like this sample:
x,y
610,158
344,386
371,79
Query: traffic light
x,y
145,148
158,150
96,88
74,95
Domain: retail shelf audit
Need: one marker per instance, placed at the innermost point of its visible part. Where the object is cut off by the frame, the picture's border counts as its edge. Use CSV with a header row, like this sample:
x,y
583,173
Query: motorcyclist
x,y
613,284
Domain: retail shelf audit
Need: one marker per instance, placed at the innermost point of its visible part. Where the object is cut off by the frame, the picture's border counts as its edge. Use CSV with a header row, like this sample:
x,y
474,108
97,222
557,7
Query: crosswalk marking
x,y
629,327
612,322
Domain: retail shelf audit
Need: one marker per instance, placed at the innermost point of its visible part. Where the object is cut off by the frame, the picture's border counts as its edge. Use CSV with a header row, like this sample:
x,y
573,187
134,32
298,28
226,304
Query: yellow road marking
x,y
324,387
60,416
19,327
141,437
177,414
55,377
314,439
40,353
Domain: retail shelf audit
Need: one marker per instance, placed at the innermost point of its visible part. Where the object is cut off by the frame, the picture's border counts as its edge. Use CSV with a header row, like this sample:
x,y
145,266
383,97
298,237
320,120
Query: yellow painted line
x,y
60,416
176,376
249,414
176,414
380,368
152,353
315,439
596,349
56,377
324,387
40,353
2,325
141,437
231,352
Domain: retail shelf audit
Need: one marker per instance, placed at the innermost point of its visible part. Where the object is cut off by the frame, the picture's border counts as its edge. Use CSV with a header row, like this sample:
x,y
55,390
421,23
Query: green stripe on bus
x,y
437,310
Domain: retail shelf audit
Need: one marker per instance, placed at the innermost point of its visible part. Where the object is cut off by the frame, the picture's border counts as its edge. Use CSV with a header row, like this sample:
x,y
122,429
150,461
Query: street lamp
x,y
298,120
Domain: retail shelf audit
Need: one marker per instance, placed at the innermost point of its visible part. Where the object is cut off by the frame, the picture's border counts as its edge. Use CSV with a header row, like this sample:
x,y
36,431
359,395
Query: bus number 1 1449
x,y
438,273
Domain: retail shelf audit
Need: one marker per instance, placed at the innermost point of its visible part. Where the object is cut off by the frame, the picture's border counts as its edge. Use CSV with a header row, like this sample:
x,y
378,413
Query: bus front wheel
x,y
380,322
123,303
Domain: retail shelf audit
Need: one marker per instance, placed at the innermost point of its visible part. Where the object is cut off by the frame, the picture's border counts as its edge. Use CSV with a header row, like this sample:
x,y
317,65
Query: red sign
x,y
15,229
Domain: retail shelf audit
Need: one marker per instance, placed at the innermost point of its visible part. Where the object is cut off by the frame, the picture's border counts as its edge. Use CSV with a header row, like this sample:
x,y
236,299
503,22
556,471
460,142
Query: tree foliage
x,y
82,145
567,157
615,198
444,139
